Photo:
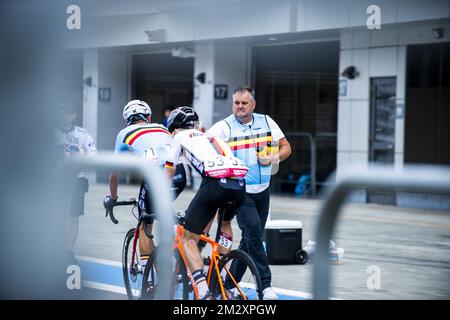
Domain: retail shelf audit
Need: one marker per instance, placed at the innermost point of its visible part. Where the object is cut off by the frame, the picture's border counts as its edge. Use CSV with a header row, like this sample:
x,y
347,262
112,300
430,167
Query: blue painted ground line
x,y
107,275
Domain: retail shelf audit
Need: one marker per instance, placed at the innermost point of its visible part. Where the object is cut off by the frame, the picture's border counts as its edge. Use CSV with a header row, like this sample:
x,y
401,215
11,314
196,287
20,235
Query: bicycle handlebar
x,y
110,212
109,208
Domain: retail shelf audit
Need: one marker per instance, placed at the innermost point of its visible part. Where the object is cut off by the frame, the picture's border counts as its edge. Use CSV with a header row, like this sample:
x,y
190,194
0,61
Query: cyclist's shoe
x,y
269,294
149,290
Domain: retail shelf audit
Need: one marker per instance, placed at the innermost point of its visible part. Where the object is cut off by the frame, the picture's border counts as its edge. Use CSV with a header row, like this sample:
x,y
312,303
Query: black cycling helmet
x,y
182,117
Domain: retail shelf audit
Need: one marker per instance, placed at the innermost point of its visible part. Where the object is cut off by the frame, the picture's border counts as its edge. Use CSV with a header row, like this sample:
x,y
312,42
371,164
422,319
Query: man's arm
x,y
284,149
114,176
113,185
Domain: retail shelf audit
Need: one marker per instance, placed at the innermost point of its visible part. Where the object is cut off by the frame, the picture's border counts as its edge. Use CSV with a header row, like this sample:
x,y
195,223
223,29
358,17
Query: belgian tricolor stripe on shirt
x,y
253,141
133,135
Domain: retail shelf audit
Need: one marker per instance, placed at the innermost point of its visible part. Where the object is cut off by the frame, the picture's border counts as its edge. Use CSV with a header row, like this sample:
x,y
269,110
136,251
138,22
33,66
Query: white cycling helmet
x,y
137,108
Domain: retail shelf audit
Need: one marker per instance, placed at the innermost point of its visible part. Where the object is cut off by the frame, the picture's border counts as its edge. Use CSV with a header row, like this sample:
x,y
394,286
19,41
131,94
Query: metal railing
x,y
159,186
313,153
408,178
312,156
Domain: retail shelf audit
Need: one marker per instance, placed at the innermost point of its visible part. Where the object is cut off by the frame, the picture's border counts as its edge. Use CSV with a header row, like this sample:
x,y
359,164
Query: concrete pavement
x,y
411,247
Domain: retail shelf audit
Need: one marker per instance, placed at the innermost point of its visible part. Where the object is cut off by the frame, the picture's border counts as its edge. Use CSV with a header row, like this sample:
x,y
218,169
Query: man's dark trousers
x,y
251,218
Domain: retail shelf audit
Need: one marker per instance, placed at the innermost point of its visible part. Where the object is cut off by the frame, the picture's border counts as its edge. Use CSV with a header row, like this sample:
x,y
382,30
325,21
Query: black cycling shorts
x,y
212,195
79,190
178,182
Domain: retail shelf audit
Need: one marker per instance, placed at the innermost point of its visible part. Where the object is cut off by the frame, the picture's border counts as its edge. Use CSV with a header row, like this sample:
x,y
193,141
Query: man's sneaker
x,y
269,294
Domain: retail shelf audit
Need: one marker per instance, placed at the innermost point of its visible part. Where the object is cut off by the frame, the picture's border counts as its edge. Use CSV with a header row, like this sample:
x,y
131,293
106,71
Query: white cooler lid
x,y
284,224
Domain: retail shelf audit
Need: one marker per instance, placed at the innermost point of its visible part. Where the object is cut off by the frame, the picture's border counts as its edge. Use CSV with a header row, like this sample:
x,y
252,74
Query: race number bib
x,y
225,240
150,154
225,167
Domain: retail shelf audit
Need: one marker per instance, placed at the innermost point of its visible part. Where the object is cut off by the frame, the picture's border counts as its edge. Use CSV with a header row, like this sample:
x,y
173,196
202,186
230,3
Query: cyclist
x,y
222,181
152,142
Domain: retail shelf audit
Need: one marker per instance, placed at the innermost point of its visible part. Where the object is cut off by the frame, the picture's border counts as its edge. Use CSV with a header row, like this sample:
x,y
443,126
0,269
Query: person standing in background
x,y
252,137
72,140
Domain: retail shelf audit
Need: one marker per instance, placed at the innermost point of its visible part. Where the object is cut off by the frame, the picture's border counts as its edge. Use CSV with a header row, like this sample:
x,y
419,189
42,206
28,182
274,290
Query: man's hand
x,y
268,160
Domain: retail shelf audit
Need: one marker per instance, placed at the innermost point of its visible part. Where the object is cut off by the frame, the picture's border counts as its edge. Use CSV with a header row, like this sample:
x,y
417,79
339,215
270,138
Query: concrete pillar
x,y
90,92
223,64
232,65
90,99
400,102
204,92
113,79
102,118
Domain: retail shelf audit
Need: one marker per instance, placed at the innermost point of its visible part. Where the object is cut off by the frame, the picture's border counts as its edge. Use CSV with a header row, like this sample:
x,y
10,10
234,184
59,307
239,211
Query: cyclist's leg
x,y
191,252
236,193
198,214
146,245
201,244
226,231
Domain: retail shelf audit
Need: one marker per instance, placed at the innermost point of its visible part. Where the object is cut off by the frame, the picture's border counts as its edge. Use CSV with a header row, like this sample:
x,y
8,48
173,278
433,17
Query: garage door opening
x,y
427,114
163,81
297,85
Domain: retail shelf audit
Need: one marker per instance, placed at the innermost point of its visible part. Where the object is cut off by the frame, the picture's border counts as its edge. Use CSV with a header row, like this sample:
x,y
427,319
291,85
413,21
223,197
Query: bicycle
x,y
131,264
222,284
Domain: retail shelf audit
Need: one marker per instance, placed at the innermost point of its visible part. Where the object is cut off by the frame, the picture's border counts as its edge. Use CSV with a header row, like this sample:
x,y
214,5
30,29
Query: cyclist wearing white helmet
x,y
222,182
136,110
151,141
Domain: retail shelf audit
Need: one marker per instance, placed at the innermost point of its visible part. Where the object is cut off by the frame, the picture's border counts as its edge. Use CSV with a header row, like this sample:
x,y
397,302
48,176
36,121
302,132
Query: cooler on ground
x,y
283,242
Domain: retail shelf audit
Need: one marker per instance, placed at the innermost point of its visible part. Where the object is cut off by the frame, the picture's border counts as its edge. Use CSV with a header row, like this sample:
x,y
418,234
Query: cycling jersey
x,y
75,141
151,141
210,156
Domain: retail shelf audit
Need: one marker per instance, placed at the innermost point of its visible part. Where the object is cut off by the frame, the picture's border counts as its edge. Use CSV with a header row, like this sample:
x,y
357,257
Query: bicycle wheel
x,y
179,284
132,274
240,278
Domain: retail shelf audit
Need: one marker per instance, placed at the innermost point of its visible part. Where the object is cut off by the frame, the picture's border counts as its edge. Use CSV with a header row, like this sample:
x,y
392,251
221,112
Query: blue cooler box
x,y
283,242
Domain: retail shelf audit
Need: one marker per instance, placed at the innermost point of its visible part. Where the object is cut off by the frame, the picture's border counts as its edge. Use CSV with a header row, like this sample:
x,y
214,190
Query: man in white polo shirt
x,y
259,142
